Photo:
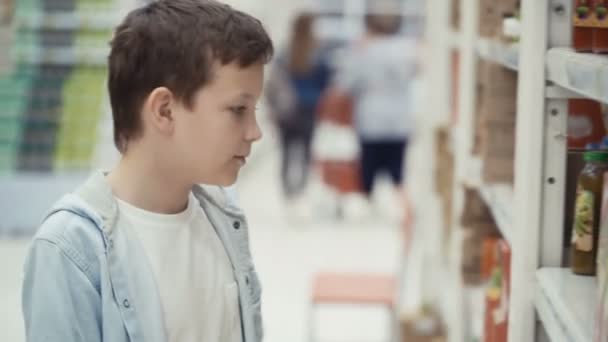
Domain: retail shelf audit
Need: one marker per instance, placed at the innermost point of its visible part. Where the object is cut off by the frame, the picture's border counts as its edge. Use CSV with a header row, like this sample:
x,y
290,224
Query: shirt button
x,y
111,243
236,225
246,280
126,303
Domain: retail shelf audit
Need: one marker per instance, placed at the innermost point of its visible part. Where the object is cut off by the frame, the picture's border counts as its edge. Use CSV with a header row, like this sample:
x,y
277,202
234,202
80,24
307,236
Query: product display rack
x,y
57,109
547,302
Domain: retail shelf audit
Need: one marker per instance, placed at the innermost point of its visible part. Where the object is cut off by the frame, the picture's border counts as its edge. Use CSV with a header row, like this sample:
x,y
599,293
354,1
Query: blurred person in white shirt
x,y
377,73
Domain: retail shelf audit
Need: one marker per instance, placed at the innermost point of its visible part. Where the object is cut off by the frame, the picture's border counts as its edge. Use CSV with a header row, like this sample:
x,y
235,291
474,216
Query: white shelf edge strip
x,y
551,323
499,198
455,39
502,53
585,74
571,299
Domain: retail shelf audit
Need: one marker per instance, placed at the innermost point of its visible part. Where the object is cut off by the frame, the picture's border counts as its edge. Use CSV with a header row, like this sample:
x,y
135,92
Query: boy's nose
x,y
254,133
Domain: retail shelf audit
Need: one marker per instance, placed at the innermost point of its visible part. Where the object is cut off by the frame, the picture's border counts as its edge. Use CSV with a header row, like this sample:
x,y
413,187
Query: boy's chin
x,y
224,180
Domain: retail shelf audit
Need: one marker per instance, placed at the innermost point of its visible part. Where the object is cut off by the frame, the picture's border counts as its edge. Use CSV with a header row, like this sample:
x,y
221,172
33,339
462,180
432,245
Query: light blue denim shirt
x,y
87,280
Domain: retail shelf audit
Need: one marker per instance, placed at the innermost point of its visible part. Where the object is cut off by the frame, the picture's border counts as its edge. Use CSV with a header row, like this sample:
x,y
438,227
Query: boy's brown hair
x,y
174,44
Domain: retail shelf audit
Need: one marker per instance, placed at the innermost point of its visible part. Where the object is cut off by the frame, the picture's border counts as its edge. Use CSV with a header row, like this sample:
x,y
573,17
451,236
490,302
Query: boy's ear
x,y
159,110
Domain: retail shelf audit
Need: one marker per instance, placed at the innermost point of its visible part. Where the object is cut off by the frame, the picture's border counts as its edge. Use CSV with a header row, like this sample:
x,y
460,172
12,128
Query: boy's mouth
x,y
242,160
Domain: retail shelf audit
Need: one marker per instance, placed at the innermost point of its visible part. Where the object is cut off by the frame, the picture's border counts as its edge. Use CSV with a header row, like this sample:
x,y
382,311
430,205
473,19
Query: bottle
x,y
600,32
582,26
585,230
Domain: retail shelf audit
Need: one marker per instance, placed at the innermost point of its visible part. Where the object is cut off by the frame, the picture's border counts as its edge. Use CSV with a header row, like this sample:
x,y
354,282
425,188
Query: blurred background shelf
x,y
69,20
92,56
455,39
35,191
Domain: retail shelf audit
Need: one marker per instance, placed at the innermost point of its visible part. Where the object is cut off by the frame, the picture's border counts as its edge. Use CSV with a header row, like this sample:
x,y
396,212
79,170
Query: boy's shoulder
x,y
69,226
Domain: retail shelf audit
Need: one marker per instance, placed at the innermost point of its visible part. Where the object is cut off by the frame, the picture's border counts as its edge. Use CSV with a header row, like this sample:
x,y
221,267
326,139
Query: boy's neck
x,y
140,182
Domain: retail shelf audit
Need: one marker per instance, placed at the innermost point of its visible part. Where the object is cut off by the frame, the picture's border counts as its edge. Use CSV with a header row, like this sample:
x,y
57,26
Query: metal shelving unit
x,y
547,302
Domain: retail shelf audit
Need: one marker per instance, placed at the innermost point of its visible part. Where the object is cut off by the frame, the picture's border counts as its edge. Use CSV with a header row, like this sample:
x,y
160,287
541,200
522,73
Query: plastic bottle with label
x,y
585,229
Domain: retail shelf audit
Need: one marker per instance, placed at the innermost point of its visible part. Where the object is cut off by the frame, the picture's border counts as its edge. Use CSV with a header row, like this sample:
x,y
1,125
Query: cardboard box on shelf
x,y
496,77
422,327
497,93
497,108
498,171
509,7
498,151
471,258
475,210
455,15
472,251
491,14
498,139
489,18
444,175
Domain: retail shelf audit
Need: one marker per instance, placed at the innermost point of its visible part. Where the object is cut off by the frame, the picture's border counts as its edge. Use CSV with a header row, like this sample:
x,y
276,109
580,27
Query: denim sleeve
x,y
59,301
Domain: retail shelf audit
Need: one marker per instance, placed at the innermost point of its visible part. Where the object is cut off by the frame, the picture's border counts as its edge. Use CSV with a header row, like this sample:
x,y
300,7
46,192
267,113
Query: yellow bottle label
x,y
583,15
582,237
601,14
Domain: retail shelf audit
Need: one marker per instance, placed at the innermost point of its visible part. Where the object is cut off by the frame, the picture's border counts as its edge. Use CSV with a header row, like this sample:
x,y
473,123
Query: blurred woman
x,y
297,79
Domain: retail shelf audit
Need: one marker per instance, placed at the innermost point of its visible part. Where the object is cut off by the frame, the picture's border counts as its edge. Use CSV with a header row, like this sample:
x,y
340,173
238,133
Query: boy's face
x,y
213,138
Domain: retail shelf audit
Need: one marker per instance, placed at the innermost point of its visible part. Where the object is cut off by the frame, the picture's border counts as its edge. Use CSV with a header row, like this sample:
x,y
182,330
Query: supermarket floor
x,y
287,253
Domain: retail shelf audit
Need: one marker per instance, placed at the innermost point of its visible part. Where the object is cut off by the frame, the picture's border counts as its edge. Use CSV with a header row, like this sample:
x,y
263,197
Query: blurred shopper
x,y
299,76
377,74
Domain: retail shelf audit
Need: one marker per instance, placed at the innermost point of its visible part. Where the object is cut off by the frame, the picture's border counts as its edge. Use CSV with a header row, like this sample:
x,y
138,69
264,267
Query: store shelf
x,y
455,39
35,191
566,304
585,74
69,20
473,172
64,56
498,52
499,198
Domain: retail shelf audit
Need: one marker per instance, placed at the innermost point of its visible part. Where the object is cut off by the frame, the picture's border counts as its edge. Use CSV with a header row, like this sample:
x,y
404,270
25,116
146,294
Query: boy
x,y
143,253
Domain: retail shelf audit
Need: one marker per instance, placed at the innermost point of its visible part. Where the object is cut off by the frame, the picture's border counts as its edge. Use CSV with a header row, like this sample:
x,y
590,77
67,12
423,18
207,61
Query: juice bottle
x,y
585,230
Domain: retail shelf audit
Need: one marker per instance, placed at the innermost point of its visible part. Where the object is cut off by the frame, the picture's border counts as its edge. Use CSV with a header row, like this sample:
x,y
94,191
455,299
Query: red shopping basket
x,y
343,176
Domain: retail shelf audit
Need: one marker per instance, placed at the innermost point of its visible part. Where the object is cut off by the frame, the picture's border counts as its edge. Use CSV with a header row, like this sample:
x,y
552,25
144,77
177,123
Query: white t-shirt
x,y
197,288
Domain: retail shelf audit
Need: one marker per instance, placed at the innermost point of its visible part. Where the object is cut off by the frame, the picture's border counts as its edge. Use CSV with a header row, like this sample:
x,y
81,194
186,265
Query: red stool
x,y
352,288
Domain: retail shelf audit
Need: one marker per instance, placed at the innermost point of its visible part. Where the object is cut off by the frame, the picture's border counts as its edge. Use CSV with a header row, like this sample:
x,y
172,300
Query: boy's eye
x,y
239,110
